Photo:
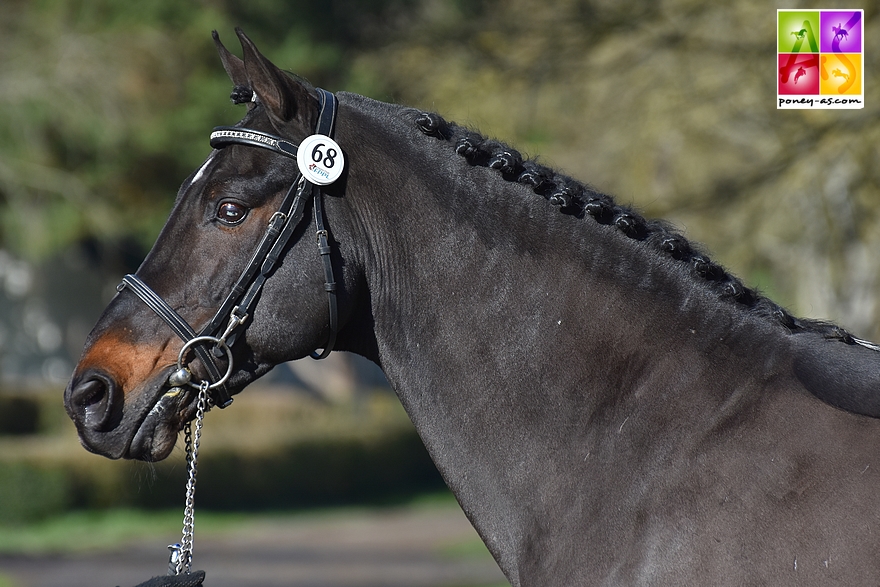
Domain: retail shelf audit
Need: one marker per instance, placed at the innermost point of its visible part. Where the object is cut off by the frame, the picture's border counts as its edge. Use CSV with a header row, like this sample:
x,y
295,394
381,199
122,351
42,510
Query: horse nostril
x,y
93,401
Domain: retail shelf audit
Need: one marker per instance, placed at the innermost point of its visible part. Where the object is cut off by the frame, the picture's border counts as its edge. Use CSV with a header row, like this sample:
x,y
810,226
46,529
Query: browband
x,y
223,136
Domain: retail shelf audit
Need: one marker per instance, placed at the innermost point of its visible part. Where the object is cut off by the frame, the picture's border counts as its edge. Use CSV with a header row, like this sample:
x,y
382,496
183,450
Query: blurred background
x,y
106,106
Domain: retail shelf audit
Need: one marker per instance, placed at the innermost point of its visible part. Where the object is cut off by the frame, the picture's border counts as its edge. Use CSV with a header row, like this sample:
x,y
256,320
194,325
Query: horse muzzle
x,y
142,424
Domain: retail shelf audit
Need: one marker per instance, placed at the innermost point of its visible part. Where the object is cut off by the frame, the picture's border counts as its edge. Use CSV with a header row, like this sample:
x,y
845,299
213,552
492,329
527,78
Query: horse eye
x,y
231,213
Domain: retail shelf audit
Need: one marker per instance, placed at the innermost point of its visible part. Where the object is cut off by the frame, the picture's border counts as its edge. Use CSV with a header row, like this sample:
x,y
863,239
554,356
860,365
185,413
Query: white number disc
x,y
320,159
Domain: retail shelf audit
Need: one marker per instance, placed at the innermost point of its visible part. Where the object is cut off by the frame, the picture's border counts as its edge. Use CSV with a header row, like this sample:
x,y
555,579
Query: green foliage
x,y
92,530
18,415
108,104
30,491
87,85
270,453
319,472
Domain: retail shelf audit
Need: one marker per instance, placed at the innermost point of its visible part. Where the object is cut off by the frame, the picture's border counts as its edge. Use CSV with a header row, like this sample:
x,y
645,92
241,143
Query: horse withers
x,y
608,405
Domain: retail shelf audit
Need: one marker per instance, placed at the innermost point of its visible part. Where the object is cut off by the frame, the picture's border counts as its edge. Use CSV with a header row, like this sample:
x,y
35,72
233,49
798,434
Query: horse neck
x,y
519,338
476,282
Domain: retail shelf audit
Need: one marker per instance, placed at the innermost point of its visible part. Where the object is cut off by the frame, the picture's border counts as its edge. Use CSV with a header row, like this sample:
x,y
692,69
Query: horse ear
x,y
284,98
233,65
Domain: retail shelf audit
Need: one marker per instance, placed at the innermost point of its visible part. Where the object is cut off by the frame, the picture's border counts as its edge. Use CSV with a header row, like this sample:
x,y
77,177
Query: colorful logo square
x,y
841,31
839,74
799,73
820,58
798,31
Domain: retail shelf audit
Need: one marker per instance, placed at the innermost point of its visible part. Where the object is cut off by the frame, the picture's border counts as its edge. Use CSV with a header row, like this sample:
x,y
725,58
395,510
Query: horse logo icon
x,y
820,58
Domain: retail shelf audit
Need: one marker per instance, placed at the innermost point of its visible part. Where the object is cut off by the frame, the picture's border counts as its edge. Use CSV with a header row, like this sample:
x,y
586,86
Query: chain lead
x,y
182,554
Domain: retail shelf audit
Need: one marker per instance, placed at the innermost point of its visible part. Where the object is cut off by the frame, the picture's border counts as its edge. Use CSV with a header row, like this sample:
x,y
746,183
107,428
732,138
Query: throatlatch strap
x,y
326,126
329,281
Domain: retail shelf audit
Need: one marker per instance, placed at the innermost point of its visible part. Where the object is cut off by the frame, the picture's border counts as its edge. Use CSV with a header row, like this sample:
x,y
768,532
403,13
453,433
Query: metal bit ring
x,y
204,339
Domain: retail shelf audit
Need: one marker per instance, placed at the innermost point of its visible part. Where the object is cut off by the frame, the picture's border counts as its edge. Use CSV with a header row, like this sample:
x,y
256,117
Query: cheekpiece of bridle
x,y
215,340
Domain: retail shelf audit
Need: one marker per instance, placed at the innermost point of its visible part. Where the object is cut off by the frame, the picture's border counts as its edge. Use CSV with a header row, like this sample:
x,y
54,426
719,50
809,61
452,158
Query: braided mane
x,y
581,201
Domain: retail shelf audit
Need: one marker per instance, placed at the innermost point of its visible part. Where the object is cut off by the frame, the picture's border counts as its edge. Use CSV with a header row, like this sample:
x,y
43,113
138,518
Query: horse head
x,y
235,223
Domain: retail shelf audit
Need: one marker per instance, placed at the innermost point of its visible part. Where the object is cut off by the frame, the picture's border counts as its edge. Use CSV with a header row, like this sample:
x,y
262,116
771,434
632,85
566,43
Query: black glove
x,y
183,580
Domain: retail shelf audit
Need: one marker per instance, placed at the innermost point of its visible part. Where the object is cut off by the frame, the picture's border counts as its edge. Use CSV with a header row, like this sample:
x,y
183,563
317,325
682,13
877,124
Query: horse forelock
x,y
242,95
582,201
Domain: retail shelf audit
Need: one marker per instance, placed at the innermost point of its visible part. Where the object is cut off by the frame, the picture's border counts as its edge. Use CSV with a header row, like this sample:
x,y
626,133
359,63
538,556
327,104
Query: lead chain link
x,y
192,436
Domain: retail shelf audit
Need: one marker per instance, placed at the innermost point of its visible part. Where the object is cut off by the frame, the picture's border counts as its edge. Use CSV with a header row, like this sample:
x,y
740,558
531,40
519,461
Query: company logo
x,y
819,59
318,171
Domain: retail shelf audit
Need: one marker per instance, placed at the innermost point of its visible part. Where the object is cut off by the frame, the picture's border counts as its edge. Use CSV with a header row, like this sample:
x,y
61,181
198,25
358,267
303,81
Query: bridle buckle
x,y
234,322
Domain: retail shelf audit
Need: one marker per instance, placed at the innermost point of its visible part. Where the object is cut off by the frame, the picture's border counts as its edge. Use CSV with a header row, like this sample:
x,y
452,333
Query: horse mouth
x,y
155,437
138,420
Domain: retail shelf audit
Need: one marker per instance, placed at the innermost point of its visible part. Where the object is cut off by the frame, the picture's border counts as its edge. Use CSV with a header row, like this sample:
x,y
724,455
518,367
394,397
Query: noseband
x,y
217,337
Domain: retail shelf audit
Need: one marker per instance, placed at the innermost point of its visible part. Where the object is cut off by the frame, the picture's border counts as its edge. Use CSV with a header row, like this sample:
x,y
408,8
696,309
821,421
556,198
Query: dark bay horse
x,y
608,405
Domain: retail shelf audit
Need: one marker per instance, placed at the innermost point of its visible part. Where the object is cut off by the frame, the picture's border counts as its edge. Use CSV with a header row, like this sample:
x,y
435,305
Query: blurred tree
x,y
670,105
108,104
101,100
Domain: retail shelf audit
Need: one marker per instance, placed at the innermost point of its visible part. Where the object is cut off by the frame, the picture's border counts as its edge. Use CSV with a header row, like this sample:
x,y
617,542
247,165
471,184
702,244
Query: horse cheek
x,y
290,321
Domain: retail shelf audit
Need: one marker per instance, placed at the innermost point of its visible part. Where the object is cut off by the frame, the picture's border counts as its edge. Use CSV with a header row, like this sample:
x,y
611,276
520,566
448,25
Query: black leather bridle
x,y
216,339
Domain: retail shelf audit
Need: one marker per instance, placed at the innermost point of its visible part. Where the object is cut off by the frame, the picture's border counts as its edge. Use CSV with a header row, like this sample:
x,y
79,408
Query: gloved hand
x,y
193,579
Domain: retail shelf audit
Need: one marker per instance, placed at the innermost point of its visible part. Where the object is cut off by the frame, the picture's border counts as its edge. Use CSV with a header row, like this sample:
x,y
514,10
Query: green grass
x,y
92,531
467,549
84,531
80,531
441,498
